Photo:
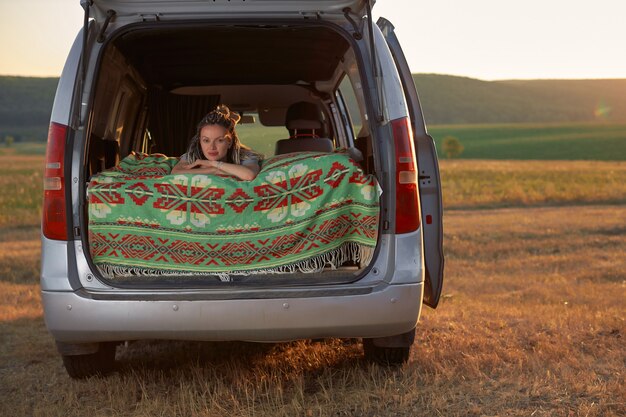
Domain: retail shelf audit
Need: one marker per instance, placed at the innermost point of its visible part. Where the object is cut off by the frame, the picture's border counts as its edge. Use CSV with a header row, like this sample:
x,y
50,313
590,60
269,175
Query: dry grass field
x,y
531,323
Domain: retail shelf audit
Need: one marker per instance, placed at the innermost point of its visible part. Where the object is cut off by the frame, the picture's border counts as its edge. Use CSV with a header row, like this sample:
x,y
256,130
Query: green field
x,y
599,142
502,166
260,138
466,184
565,142
561,142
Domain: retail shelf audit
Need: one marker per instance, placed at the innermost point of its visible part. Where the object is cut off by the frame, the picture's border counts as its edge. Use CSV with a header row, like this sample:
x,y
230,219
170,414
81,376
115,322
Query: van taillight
x,y
407,197
54,221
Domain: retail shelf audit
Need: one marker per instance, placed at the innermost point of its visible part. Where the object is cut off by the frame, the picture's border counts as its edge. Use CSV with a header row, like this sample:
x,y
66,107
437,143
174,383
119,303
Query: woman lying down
x,y
216,148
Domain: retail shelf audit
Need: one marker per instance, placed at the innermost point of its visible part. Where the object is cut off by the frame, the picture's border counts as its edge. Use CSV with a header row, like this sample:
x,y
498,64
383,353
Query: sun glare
x,y
602,111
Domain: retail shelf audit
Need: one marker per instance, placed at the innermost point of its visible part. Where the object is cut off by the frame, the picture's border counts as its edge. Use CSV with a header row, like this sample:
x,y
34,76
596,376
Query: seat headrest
x,y
303,115
284,146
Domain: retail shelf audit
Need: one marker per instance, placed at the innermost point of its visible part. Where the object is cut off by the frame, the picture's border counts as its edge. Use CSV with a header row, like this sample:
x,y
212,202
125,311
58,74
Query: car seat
x,y
103,154
304,123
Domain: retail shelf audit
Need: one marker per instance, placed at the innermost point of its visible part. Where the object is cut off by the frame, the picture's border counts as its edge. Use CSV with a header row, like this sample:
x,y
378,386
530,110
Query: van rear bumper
x,y
71,317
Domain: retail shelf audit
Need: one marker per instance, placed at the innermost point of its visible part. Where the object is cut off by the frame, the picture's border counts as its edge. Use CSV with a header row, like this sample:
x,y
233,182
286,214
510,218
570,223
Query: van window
x,y
259,137
352,105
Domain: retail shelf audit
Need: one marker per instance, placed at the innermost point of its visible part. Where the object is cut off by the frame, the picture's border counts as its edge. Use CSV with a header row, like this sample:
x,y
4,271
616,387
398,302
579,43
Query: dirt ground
x,y
531,323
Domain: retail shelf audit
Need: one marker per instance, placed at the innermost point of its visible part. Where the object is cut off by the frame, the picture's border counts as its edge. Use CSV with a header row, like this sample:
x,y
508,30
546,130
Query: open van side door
x,y
429,181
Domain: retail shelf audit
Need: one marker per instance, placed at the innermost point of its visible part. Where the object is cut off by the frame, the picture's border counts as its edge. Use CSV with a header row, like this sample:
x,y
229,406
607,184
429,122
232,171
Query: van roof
x,y
172,9
172,56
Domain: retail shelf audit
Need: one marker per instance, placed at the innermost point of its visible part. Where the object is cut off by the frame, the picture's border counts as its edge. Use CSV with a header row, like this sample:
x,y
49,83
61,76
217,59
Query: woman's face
x,y
215,142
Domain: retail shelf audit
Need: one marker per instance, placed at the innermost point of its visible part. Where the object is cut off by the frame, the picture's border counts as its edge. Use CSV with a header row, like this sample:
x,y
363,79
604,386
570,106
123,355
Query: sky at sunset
x,y
485,39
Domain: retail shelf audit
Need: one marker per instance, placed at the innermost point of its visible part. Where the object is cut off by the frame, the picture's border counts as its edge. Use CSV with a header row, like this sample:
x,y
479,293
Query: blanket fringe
x,y
349,251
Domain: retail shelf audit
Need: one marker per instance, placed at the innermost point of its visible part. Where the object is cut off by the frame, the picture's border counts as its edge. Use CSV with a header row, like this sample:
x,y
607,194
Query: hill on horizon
x,y
26,102
450,99
25,106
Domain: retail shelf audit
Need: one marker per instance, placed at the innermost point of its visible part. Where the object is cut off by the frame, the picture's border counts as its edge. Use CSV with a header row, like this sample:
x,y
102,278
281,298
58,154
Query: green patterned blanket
x,y
304,211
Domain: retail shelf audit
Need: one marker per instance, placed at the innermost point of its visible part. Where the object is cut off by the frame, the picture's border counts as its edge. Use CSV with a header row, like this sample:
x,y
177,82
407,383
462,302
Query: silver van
x,y
138,78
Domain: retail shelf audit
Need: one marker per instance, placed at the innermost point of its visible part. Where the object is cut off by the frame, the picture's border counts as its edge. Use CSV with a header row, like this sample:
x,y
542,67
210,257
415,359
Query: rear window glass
x,y
259,137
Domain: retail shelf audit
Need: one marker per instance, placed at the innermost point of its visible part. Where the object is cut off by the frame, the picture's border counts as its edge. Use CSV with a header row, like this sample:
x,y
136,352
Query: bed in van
x,y
138,78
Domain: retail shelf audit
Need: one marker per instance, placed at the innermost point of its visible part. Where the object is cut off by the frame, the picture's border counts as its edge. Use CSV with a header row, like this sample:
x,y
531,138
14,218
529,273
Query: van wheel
x,y
99,363
388,356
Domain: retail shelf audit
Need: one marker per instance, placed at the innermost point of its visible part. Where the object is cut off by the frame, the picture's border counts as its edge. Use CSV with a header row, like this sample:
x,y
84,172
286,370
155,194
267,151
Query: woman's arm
x,y
183,167
246,172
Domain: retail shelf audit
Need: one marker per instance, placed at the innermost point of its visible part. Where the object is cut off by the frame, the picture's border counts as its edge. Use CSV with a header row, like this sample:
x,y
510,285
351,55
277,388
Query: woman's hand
x,y
203,166
201,163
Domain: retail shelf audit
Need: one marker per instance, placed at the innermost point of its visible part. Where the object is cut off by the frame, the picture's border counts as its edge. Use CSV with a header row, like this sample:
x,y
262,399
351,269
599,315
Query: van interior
x,y
154,84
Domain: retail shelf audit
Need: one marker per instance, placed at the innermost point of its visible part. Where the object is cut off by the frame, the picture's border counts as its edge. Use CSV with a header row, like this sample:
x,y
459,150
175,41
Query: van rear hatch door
x,y
429,181
171,9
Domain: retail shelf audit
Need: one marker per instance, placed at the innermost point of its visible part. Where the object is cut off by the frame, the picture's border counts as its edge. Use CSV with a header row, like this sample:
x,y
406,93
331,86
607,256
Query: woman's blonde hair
x,y
221,116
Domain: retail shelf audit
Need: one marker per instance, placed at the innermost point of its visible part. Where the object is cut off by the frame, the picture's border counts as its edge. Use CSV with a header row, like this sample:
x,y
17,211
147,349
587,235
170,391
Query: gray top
x,y
246,158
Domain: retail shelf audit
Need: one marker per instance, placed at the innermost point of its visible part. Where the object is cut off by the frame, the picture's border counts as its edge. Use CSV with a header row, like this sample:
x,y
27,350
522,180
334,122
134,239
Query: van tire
x,y
387,356
99,363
